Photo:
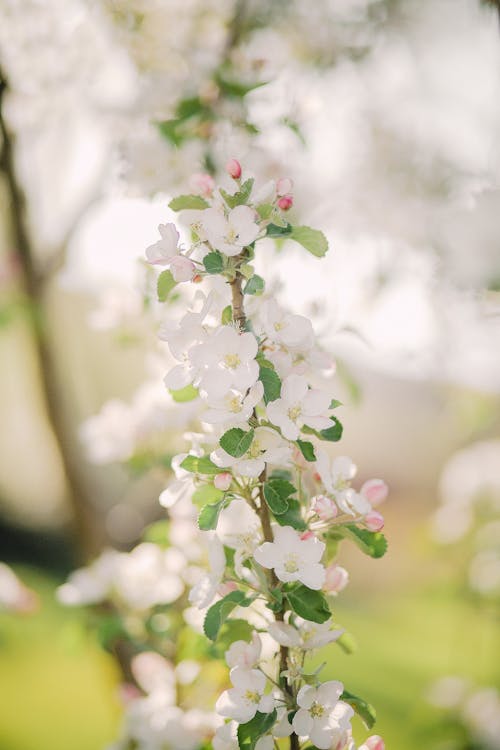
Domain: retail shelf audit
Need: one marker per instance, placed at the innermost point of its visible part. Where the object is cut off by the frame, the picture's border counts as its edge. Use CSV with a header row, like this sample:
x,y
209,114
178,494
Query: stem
x,y
34,286
239,318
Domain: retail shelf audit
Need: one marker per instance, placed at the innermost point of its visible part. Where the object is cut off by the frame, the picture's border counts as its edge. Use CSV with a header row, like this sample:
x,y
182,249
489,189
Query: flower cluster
x,y
272,500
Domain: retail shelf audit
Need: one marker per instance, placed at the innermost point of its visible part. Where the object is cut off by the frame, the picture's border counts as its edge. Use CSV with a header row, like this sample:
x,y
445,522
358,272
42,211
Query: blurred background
x,y
385,113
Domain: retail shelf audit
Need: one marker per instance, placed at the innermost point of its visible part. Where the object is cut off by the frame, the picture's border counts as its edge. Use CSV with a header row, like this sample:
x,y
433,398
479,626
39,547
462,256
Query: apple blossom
x,y
234,407
202,184
375,742
323,507
285,202
374,521
336,579
226,736
182,268
304,634
322,717
267,447
226,360
291,331
223,481
335,473
299,405
246,697
243,654
230,234
163,251
284,186
293,558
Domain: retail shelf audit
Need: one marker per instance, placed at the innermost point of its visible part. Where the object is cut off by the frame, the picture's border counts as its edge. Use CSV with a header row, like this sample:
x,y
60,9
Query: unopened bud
x,y
374,521
375,491
233,168
375,743
223,481
202,184
285,202
323,507
284,186
336,579
306,535
226,588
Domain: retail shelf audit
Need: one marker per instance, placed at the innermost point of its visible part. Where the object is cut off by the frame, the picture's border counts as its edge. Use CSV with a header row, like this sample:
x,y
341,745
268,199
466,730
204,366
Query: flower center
x,y
234,404
317,710
232,361
291,563
341,484
294,412
308,634
255,450
251,696
231,236
278,326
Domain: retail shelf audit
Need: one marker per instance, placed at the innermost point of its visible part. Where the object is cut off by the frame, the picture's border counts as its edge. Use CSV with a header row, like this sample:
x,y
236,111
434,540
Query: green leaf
x,y
157,533
236,89
333,433
188,107
312,239
255,285
220,611
233,630
271,382
265,210
200,465
364,710
169,129
240,197
292,517
309,604
213,262
227,315
372,543
164,285
236,441
182,202
276,494
249,733
206,493
273,230
307,449
209,515
183,395
334,403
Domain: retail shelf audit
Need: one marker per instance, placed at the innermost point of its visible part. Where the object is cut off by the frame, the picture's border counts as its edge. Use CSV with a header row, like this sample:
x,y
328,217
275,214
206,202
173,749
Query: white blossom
x,y
299,405
246,697
234,408
163,251
226,361
293,558
304,634
231,233
321,716
203,592
243,654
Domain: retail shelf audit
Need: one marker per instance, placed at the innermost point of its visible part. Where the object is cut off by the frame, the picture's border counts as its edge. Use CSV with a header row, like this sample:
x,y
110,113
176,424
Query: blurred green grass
x,y
58,688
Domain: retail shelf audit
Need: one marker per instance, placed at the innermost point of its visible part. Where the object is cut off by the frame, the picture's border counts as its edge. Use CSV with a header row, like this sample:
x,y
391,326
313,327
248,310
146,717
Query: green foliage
x,y
276,494
240,197
332,434
157,533
309,604
255,285
277,232
364,710
164,285
312,239
213,262
270,380
233,630
292,517
220,611
183,202
236,441
200,465
235,89
227,315
249,733
183,395
207,493
307,449
209,515
347,643
372,543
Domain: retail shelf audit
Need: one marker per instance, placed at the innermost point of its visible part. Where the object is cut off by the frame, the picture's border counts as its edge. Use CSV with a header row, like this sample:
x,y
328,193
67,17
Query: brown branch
x,y
84,517
239,317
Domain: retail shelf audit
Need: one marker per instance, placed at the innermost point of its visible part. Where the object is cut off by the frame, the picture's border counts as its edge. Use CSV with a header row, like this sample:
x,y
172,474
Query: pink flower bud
x,y
374,521
323,507
233,168
284,186
306,535
375,743
285,202
202,184
375,491
128,693
336,579
182,268
223,481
